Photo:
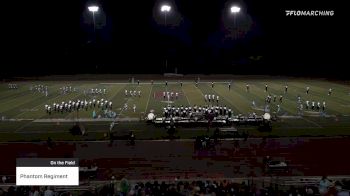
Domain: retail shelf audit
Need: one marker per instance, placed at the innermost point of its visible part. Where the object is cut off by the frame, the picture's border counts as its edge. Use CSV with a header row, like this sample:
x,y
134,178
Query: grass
x,y
28,106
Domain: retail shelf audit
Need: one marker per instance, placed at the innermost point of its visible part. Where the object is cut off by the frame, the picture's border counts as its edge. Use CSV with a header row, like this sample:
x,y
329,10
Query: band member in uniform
x,y
324,106
307,105
330,91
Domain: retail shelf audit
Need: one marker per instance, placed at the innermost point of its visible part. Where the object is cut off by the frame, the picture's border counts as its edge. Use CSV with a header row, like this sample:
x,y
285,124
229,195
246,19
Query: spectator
x,y
309,191
124,186
4,179
324,185
34,191
340,191
48,192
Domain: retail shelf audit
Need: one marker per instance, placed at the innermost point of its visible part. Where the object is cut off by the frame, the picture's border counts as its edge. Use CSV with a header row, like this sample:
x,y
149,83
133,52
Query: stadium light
x,y
235,9
93,9
165,8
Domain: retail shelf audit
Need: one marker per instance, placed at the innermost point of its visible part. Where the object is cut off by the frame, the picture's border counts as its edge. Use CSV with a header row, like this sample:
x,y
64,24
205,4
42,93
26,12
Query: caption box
x,y
47,171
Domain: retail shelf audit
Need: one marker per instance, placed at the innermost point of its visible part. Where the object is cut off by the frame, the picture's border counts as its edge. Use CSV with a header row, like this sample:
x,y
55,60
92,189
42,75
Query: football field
x,y
24,116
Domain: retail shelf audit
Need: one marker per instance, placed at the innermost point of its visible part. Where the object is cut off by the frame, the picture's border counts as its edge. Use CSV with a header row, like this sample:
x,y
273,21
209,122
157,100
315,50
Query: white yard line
x,y
54,98
200,91
149,97
21,127
122,108
40,104
312,122
186,97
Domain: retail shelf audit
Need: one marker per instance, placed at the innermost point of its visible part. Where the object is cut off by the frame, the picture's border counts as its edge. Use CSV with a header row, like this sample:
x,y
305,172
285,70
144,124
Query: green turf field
x,y
26,118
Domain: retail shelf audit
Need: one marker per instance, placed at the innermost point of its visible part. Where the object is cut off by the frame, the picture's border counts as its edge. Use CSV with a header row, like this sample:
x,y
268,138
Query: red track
x,y
168,159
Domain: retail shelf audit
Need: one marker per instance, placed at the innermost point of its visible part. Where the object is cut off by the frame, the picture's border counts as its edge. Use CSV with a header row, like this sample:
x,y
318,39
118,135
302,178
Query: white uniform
x,y
134,108
324,105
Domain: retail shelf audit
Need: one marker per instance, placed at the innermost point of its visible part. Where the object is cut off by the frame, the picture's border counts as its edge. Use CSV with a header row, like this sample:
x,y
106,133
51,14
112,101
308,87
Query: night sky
x,y
200,36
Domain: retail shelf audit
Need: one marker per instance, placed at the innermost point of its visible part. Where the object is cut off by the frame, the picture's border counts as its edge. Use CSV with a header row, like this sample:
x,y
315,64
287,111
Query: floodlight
x,y
235,9
165,8
93,8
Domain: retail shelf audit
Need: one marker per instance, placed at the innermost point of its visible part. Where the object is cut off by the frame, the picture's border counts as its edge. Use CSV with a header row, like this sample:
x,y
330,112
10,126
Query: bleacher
x,y
268,185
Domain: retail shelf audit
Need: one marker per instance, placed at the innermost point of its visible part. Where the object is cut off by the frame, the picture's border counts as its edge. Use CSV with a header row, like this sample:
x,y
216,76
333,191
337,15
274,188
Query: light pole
x,y
93,9
165,9
235,10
